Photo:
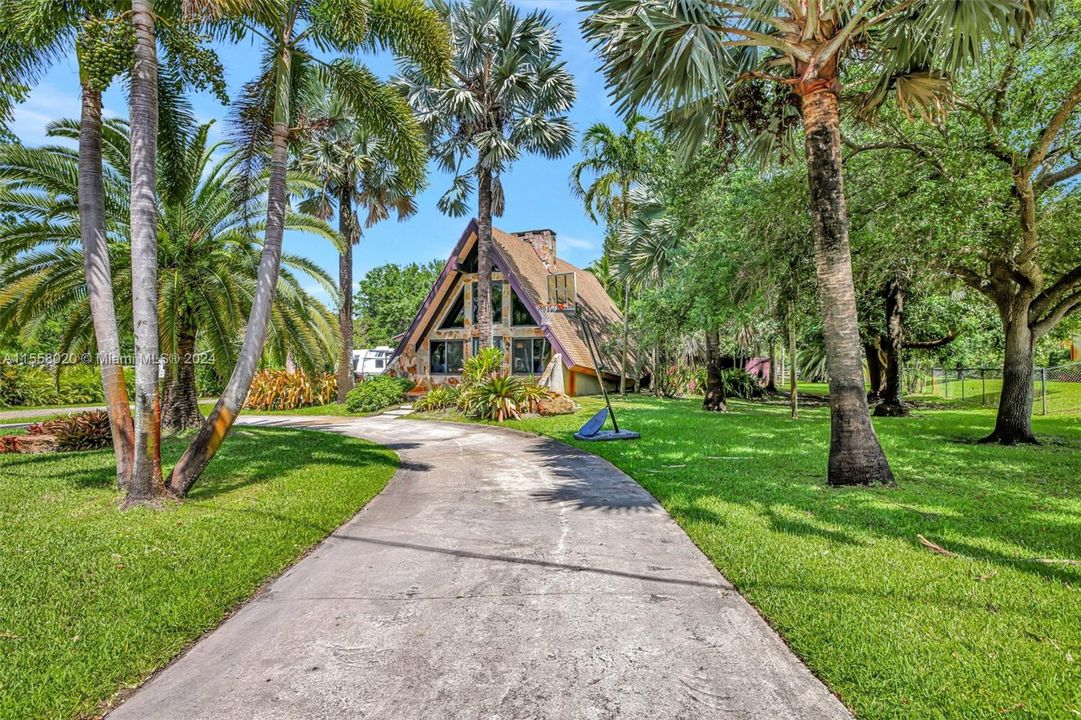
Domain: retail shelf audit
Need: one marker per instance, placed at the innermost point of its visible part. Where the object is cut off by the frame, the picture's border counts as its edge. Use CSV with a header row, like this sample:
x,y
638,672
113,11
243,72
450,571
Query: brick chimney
x,y
543,243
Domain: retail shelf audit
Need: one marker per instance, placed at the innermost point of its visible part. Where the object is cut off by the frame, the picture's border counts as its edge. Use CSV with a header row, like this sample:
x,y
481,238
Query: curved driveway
x,y
498,576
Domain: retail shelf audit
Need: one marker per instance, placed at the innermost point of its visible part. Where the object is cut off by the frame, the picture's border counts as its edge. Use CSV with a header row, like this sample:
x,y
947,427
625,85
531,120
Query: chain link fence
x,y
1056,389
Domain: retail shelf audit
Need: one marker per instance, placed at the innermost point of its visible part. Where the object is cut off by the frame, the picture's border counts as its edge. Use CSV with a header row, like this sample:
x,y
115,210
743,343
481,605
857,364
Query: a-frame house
x,y
443,333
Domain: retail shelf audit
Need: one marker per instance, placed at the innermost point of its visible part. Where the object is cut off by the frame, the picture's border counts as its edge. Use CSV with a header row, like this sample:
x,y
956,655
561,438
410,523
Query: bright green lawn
x,y
896,630
93,600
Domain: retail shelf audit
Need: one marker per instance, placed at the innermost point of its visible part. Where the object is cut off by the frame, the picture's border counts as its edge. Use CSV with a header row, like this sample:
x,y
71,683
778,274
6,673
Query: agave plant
x,y
496,397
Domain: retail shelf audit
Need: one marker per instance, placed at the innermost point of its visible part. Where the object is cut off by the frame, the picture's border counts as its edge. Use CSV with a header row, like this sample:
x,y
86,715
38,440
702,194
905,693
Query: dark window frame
x,y
497,310
446,362
516,304
532,355
453,312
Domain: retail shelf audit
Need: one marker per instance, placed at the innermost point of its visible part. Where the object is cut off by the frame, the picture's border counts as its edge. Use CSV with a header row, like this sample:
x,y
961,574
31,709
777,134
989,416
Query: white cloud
x,y
573,242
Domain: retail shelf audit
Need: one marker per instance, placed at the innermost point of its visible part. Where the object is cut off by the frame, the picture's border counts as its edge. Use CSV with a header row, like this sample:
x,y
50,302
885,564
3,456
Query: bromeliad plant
x,y
82,431
288,390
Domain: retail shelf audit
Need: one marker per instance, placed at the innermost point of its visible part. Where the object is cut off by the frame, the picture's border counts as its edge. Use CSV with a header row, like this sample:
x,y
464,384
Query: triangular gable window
x,y
519,313
455,317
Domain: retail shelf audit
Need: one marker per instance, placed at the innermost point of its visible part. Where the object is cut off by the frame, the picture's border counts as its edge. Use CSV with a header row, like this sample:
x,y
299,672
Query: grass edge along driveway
x,y
93,601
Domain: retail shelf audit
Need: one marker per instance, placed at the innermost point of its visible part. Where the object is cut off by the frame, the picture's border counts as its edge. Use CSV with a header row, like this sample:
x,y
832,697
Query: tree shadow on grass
x,y
972,499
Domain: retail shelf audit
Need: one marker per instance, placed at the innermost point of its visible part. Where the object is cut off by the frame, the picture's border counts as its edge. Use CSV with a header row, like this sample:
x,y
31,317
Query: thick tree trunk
x,y
715,400
855,457
146,482
793,389
625,340
892,344
1013,425
180,396
99,285
874,370
205,445
347,227
484,258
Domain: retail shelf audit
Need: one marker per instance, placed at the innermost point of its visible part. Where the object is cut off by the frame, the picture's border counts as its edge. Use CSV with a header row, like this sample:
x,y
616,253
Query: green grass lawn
x,y
93,600
896,630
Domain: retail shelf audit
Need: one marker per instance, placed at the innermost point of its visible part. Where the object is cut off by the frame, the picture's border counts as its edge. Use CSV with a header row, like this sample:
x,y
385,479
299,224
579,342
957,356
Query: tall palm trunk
x,y
855,457
792,387
180,396
347,226
99,283
205,445
484,258
146,482
715,400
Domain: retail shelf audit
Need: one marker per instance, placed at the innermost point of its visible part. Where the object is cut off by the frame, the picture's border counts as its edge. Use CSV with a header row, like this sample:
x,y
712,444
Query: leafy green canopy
x,y
208,250
686,58
388,299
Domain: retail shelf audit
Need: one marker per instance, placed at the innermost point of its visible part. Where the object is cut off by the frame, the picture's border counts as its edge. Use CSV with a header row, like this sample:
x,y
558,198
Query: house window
x,y
455,317
519,313
379,363
497,302
445,356
531,356
500,343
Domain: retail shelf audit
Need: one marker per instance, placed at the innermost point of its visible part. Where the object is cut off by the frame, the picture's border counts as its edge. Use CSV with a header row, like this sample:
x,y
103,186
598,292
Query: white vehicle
x,y
371,361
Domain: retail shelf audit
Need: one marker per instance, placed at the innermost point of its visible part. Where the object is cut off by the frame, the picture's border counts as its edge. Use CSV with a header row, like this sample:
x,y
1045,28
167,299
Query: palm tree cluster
x,y
198,257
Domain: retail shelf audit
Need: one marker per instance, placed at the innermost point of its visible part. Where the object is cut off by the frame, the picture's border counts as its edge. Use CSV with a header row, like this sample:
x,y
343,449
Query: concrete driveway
x,y
498,576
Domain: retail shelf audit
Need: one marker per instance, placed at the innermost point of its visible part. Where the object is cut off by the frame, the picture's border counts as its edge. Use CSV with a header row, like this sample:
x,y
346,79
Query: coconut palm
x,y
207,257
293,32
687,57
617,162
359,181
507,95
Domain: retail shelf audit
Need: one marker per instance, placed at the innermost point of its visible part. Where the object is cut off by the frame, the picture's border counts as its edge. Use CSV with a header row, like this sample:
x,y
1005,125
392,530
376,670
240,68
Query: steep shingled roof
x,y
594,305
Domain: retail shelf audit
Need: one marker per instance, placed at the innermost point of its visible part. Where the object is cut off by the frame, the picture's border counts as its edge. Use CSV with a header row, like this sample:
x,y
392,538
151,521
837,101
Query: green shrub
x,y
741,384
377,393
496,397
284,390
81,384
487,362
440,398
30,385
82,431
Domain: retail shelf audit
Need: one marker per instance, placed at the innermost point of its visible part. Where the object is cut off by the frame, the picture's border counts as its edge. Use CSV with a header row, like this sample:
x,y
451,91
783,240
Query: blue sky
x,y
537,190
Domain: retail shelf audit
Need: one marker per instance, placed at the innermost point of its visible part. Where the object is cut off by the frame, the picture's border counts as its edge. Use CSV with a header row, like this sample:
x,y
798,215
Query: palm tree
x,y
618,162
33,35
146,478
351,163
686,58
293,31
508,94
208,252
